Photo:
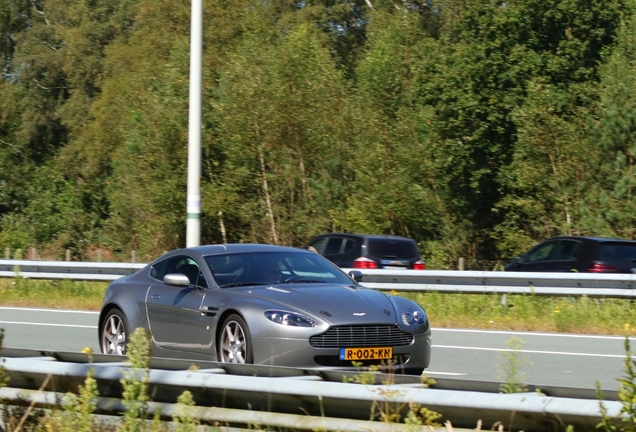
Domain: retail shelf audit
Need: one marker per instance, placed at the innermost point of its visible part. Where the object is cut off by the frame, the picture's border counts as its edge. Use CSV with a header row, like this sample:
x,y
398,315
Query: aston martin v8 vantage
x,y
263,304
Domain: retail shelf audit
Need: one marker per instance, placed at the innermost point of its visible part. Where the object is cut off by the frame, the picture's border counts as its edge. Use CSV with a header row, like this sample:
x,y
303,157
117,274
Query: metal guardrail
x,y
489,282
450,281
75,270
304,398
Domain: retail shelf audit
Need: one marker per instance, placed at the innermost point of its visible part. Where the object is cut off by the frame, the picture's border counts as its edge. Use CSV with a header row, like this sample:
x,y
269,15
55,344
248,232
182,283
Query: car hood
x,y
336,304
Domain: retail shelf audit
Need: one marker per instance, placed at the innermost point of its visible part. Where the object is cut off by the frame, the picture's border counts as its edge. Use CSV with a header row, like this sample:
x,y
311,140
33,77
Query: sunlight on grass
x,y
528,312
60,294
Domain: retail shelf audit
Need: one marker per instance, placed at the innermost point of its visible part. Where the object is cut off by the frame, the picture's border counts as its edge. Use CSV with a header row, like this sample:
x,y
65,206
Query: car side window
x,y
567,250
539,253
616,252
349,245
319,245
334,245
158,271
182,264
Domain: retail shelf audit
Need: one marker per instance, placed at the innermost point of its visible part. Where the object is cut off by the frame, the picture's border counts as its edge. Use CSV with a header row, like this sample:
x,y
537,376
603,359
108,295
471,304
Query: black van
x,y
365,251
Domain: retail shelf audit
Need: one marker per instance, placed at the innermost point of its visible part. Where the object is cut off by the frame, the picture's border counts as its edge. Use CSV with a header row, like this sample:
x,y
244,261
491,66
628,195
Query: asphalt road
x,y
556,359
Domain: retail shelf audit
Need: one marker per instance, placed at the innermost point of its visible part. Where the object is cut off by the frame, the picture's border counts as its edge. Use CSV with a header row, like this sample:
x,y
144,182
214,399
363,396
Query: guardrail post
x,y
34,254
99,255
68,254
133,256
460,264
7,253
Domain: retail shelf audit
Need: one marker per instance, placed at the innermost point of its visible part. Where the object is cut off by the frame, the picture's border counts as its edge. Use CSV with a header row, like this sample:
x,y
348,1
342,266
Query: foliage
x,y
626,418
510,368
477,128
183,418
135,382
420,416
78,411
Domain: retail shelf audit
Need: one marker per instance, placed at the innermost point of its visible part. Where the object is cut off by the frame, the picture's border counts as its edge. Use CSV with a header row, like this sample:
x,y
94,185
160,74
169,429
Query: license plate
x,y
394,268
378,353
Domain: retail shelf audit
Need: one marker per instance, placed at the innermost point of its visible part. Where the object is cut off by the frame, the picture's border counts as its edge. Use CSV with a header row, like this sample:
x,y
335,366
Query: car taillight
x,y
419,265
364,263
602,268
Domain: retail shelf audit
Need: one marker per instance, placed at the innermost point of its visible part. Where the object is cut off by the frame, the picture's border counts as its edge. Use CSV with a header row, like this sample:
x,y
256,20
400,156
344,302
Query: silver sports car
x,y
274,305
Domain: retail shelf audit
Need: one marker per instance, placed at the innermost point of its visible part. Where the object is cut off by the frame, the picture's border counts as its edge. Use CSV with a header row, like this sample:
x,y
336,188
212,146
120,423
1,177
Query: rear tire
x,y
114,333
234,343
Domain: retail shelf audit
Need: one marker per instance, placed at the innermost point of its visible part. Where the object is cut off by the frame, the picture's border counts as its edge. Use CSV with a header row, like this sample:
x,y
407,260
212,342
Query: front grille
x,y
361,336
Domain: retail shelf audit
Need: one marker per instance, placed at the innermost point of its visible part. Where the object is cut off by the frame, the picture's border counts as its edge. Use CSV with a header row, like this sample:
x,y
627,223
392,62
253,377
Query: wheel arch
x,y
102,315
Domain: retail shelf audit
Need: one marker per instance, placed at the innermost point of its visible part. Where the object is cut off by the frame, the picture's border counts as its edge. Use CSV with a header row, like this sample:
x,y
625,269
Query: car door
x,y
333,251
537,258
175,314
564,256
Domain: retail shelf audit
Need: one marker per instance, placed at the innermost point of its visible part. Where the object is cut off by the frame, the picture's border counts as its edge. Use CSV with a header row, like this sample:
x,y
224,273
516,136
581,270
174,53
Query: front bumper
x,y
299,353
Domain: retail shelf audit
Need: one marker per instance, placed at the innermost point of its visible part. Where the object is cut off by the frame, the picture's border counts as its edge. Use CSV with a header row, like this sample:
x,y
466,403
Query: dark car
x,y
263,304
367,251
578,254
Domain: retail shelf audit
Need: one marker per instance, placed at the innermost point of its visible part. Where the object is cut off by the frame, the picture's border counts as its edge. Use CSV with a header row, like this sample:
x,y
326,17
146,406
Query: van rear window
x,y
393,249
616,252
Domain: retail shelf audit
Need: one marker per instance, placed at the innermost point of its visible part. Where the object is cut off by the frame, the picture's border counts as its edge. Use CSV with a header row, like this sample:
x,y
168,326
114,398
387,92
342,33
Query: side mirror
x,y
356,275
176,279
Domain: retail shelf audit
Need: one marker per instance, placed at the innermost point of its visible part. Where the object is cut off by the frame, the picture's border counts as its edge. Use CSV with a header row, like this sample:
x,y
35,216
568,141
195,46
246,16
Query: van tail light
x,y
602,268
419,265
364,263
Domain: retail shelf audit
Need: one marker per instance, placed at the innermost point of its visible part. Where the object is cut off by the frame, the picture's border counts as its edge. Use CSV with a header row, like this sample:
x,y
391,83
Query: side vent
x,y
209,311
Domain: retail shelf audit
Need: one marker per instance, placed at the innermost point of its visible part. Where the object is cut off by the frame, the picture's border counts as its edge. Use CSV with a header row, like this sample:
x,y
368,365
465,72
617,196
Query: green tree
x,y
610,205
282,116
553,161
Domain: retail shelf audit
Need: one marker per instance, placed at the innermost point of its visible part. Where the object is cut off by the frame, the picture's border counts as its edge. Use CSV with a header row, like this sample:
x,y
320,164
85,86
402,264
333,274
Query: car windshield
x,y
393,249
269,268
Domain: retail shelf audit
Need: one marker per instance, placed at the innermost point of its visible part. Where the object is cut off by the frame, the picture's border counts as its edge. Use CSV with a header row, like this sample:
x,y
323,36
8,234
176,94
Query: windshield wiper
x,y
240,284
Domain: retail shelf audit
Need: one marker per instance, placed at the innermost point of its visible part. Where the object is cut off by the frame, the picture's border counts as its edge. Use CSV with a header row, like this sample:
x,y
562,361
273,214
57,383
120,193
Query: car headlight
x,y
289,318
414,316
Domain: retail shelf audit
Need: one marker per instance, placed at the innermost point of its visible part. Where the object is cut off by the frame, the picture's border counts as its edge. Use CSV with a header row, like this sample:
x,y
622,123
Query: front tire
x,y
235,344
114,335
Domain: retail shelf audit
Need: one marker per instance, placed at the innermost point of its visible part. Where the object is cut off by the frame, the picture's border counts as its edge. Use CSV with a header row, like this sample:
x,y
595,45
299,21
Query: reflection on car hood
x,y
337,304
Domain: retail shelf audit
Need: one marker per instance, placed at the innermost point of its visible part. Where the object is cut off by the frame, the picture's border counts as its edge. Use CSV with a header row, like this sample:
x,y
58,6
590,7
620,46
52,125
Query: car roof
x,y
369,236
596,239
238,247
216,249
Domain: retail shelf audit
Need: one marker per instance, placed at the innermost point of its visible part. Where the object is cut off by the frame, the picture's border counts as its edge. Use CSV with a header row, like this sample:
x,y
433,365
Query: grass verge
x,y
59,294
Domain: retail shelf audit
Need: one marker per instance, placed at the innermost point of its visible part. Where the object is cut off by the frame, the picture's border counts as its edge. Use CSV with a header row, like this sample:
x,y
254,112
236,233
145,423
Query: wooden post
x,y
133,256
99,255
460,264
34,254
7,253
68,254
